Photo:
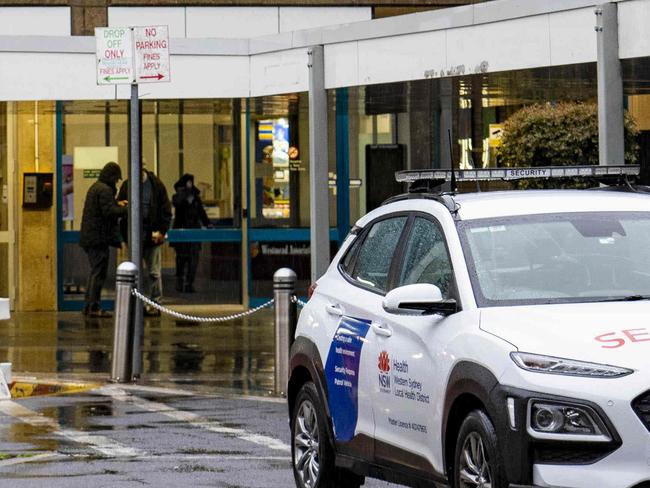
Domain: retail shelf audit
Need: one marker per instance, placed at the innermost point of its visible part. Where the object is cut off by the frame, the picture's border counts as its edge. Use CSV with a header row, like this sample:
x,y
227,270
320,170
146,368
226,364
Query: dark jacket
x,y
160,212
99,224
190,213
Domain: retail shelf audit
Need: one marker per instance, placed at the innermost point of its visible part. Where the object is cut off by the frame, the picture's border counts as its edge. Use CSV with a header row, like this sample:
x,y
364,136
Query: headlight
x,y
569,367
558,421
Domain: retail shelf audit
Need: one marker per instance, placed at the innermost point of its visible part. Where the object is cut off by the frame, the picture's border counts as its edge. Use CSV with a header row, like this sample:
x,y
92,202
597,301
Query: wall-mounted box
x,y
38,190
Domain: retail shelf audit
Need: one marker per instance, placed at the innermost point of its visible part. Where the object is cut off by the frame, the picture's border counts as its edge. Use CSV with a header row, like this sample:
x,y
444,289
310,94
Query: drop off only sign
x,y
114,55
132,54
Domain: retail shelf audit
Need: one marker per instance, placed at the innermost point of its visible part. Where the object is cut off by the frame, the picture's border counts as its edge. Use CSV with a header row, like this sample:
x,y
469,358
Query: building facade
x,y
403,92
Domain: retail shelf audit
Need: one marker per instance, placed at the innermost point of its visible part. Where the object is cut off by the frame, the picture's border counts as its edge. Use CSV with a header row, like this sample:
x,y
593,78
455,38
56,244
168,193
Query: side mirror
x,y
418,299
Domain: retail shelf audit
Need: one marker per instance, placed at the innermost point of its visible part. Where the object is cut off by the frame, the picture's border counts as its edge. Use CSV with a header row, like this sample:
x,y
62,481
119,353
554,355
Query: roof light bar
x,y
487,174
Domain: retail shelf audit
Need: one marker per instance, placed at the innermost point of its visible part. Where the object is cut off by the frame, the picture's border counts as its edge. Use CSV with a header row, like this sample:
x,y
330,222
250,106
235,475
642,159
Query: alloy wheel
x,y
475,469
306,445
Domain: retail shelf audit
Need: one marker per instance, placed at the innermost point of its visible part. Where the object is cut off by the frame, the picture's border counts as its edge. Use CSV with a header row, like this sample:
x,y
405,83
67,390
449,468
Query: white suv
x,y
490,340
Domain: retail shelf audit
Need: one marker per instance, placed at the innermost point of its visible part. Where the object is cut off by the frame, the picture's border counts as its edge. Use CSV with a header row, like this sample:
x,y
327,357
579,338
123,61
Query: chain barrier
x,y
193,318
298,301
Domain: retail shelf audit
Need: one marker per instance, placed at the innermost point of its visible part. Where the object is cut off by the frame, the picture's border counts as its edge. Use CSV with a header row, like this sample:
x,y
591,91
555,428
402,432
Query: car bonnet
x,y
614,333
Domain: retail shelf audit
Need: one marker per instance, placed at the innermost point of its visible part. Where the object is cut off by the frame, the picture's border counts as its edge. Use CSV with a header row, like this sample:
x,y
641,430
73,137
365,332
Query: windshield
x,y
558,258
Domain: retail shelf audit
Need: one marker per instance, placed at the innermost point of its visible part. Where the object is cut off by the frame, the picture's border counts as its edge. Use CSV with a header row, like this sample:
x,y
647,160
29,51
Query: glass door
x,y
199,141
278,187
179,137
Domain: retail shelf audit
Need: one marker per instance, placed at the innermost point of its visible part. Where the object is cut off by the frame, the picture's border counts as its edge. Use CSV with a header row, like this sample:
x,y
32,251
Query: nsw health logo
x,y
384,370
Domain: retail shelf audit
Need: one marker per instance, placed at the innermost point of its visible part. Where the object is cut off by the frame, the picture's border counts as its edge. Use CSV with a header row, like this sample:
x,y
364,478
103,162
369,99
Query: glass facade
x,y
251,154
413,124
636,86
279,161
250,161
197,137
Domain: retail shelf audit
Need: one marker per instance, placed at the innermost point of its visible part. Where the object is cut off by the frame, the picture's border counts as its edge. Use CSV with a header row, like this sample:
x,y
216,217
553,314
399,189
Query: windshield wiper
x,y
629,298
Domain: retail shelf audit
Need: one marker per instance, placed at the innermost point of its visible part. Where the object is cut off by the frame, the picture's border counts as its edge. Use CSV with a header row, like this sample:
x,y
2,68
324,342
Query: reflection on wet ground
x,y
235,355
135,435
123,435
109,437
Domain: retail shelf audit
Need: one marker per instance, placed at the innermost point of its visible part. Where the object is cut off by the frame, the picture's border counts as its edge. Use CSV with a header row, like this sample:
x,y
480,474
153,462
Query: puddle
x,y
37,436
212,452
25,455
195,468
57,476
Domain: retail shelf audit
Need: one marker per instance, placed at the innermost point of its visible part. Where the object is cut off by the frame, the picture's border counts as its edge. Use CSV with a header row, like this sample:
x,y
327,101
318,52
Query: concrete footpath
x,y
232,357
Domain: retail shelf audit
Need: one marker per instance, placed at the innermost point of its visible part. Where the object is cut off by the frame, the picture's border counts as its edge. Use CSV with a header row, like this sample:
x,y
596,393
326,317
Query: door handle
x,y
334,310
381,329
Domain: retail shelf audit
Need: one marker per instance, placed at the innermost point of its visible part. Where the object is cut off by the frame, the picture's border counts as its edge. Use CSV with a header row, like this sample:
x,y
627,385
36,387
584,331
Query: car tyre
x,y
312,455
478,462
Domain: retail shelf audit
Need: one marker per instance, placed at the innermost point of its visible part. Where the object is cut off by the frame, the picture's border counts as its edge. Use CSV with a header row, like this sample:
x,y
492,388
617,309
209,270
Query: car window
x,y
348,260
558,258
376,253
426,259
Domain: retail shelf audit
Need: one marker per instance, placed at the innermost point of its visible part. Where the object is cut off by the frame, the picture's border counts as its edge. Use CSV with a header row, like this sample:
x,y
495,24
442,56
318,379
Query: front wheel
x,y
478,462
311,452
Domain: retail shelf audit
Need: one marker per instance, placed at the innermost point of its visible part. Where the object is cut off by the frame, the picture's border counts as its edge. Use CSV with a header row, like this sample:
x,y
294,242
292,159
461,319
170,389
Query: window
x,y
426,259
558,258
348,260
376,253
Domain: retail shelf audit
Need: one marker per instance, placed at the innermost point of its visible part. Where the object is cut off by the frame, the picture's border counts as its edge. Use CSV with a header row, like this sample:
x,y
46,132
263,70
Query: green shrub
x,y
558,135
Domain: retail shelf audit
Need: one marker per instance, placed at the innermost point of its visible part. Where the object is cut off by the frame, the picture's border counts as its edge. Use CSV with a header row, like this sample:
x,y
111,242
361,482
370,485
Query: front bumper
x,y
622,463
624,468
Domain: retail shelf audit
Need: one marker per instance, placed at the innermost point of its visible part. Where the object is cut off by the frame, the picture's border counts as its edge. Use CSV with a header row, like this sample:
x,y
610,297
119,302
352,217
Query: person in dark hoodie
x,y
99,231
156,217
189,214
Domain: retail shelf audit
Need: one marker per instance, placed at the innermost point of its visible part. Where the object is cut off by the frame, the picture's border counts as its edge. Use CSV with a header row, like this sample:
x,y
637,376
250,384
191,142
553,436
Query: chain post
x,y
284,285
127,275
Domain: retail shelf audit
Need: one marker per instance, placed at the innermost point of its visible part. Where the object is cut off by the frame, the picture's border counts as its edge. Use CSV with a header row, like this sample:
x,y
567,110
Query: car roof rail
x,y
446,199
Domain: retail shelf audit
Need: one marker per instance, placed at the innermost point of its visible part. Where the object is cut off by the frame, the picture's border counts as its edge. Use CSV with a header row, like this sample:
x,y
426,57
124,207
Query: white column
x,y
611,141
318,164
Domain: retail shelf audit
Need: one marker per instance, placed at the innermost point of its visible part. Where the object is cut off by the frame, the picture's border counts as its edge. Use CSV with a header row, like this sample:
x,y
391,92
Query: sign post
x,y
132,55
135,226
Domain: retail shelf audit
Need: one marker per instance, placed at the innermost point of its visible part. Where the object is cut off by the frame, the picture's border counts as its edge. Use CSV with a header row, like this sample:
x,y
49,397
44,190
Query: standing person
x,y
156,217
99,230
189,214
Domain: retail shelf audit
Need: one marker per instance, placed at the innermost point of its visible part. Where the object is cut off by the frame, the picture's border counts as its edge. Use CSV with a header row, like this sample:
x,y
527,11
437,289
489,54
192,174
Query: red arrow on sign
x,y
158,76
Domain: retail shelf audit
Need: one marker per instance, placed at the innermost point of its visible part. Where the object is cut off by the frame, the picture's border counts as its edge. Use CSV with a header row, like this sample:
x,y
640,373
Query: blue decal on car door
x,y
342,373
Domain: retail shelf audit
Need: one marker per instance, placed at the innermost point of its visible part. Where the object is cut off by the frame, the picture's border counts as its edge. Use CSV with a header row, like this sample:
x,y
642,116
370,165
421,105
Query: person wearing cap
x,y
99,232
189,214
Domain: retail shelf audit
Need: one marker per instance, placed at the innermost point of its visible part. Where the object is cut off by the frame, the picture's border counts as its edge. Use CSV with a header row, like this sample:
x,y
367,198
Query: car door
x,y
406,392
352,302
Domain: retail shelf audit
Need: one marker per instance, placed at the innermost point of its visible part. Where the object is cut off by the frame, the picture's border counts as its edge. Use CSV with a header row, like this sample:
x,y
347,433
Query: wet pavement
x,y
202,417
139,436
237,355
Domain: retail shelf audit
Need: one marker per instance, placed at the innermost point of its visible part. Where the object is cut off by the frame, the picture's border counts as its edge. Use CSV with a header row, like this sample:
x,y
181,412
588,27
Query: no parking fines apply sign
x,y
151,45
132,54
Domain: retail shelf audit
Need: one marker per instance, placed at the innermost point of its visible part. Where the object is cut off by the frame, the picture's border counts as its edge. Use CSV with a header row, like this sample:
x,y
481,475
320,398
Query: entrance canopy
x,y
482,38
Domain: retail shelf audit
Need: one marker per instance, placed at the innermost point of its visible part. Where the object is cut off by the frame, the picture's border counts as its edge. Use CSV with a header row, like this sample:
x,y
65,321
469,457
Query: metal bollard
x,y
127,274
284,285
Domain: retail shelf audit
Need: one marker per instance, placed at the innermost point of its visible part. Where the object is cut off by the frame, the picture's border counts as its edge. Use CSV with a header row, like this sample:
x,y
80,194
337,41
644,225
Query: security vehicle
x,y
484,340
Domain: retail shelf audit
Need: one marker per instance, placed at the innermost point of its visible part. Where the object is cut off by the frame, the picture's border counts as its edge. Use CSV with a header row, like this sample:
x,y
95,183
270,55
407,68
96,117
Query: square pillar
x,y
611,141
318,164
